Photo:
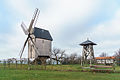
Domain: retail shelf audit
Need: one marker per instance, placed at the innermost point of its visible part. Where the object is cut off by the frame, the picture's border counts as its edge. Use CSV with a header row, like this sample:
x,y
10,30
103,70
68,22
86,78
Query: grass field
x,y
55,75
53,72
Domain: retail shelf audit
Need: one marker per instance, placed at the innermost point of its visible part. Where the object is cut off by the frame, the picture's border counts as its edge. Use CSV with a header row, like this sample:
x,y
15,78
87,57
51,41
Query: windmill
x,y
39,41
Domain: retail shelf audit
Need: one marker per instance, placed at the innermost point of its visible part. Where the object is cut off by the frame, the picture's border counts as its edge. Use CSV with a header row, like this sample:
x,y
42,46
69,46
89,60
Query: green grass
x,y
53,72
75,67
39,67
55,75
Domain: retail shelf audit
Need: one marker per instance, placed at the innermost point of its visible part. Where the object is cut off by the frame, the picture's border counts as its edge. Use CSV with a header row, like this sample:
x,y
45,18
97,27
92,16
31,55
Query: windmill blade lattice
x,y
35,16
24,28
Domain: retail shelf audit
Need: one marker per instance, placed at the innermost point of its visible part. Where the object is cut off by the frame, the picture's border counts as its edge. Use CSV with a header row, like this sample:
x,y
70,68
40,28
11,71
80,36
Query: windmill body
x,y
43,42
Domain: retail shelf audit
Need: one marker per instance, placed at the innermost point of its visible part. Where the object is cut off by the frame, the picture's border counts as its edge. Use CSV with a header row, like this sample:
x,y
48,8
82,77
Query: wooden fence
x,y
25,65
19,64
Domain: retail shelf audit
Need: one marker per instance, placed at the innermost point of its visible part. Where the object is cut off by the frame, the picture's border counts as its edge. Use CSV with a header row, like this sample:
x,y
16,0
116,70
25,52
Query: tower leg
x,y
81,61
87,52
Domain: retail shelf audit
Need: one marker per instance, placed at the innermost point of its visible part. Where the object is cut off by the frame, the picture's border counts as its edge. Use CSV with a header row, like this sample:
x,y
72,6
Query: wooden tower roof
x,y
87,42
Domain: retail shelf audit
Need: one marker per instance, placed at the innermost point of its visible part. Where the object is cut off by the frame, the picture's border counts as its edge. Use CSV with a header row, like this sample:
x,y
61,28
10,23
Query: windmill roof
x,y
42,33
88,42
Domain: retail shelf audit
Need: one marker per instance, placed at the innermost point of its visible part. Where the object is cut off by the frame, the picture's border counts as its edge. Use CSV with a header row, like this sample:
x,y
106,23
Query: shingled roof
x,y
88,42
42,33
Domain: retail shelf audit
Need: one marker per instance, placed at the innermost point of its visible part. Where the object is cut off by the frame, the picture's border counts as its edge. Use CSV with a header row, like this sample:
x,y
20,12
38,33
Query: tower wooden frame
x,y
87,52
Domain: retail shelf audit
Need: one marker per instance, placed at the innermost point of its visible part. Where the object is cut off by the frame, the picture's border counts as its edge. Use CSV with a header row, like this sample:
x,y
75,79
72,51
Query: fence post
x,y
21,63
29,64
16,64
0,64
114,65
8,64
4,64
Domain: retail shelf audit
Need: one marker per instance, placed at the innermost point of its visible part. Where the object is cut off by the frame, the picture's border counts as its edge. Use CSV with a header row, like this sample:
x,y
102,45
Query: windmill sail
x,y
35,16
29,31
23,47
24,29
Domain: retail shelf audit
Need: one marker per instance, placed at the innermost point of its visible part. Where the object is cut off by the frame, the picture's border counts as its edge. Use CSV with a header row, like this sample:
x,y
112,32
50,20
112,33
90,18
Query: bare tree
x,y
117,56
25,60
117,53
103,54
66,59
58,55
78,60
73,57
13,60
62,56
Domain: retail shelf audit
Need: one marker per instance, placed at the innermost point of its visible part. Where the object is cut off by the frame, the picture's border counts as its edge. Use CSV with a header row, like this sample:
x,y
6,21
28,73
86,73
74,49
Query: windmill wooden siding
x,y
44,47
31,50
43,42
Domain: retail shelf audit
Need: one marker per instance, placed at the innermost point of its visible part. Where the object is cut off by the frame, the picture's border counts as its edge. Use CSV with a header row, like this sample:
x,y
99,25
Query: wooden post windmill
x,y
88,51
39,41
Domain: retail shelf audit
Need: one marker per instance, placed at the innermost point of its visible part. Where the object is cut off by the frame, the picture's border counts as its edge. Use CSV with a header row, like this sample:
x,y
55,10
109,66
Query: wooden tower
x,y
88,52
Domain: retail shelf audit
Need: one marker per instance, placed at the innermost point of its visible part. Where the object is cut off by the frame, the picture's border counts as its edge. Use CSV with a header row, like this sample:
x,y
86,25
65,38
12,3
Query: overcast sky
x,y
70,22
